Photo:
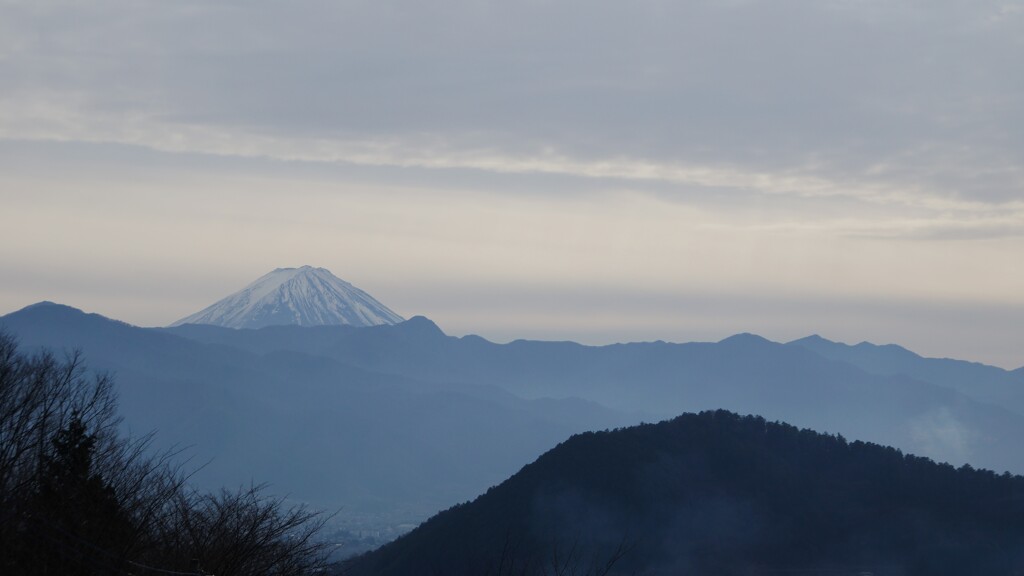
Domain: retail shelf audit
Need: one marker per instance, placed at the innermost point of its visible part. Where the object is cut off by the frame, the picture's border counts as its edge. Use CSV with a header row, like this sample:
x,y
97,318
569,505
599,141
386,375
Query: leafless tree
x,y
76,497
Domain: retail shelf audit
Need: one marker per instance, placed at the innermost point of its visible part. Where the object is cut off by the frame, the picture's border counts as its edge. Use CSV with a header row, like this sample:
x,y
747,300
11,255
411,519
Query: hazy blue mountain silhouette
x,y
745,372
404,416
716,493
318,429
979,381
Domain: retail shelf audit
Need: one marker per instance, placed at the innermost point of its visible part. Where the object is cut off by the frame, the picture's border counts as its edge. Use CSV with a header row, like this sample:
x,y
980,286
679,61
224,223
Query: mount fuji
x,y
304,296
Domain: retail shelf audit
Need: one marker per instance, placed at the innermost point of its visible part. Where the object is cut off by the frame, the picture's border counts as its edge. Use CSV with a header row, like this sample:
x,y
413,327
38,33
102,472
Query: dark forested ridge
x,y
716,493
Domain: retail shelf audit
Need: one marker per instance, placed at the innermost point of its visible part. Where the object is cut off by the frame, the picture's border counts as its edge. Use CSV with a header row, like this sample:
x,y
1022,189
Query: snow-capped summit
x,y
303,296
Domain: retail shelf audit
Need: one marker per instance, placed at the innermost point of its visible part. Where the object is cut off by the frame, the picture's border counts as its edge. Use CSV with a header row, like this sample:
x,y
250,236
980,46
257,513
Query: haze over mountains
x,y
687,190
319,430
987,383
401,420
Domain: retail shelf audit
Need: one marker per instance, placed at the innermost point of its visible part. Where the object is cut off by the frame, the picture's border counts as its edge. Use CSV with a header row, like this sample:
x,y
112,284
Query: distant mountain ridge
x,y
953,421
304,296
986,383
323,431
406,419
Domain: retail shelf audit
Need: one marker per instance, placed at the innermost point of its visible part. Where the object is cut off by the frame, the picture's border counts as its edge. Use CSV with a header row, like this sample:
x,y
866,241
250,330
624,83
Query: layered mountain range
x,y
403,420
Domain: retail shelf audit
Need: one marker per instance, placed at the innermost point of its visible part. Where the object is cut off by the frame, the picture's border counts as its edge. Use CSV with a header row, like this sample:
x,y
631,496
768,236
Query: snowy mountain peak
x,y
304,296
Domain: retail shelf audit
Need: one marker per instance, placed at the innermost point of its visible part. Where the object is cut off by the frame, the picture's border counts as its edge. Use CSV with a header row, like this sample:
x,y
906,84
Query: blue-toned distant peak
x,y
63,325
812,340
824,346
304,296
51,309
746,339
421,326
47,304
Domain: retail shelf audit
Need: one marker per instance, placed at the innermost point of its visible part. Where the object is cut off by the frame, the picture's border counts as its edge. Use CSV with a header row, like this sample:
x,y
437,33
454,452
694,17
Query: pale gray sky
x,y
596,171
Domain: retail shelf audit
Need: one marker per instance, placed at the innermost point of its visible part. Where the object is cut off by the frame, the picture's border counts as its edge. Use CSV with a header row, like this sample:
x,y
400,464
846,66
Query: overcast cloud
x,y
851,151
907,94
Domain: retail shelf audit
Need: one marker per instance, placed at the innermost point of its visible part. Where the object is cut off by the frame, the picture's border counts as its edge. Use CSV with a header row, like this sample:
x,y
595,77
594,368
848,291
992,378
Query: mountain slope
x,y
303,296
406,417
985,383
322,431
655,380
716,493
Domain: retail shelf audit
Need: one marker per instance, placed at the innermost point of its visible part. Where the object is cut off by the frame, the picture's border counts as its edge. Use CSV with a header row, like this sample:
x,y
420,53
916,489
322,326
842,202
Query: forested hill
x,y
717,493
